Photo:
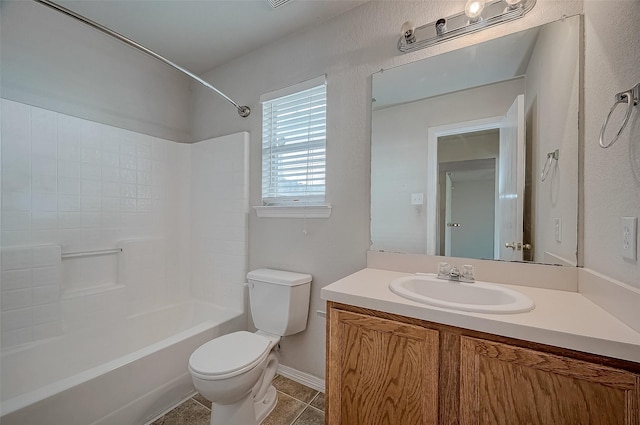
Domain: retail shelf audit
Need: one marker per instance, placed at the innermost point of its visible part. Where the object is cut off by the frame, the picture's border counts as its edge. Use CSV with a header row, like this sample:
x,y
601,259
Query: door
x,y
380,372
447,214
506,385
511,182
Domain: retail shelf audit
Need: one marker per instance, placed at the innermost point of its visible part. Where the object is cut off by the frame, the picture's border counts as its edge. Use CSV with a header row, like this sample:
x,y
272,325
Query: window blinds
x,y
294,146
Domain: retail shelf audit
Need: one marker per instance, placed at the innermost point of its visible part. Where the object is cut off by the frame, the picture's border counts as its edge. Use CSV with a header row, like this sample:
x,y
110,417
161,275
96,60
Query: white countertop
x,y
561,318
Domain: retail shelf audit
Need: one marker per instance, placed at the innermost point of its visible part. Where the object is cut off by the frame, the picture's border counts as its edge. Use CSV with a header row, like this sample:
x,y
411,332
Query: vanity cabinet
x,y
392,370
503,385
383,371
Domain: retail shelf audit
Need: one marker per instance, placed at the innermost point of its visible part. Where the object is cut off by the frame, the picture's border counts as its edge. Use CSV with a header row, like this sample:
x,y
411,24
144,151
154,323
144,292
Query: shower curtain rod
x,y
243,111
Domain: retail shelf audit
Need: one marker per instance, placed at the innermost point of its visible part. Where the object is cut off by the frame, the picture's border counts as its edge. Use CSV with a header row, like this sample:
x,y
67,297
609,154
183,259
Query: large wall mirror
x,y
474,153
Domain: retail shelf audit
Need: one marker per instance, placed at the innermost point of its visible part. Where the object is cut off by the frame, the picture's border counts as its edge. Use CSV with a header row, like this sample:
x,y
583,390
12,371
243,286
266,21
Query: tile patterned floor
x,y
297,405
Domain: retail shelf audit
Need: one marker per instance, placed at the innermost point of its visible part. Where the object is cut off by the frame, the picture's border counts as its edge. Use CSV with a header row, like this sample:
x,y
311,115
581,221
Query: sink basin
x,y
479,297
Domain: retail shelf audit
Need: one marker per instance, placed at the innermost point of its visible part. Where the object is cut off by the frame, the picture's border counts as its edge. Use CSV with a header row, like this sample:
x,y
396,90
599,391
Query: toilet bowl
x,y
235,371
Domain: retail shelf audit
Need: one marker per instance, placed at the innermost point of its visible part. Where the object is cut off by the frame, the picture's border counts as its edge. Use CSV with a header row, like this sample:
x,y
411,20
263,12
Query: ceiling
x,y
202,34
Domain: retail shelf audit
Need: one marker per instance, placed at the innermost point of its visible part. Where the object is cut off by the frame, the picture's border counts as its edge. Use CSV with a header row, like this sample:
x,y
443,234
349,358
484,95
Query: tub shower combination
x,y
112,273
108,238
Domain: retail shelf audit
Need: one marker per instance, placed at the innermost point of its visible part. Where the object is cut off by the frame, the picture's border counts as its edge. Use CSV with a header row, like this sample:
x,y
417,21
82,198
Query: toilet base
x,y
266,405
245,411
239,413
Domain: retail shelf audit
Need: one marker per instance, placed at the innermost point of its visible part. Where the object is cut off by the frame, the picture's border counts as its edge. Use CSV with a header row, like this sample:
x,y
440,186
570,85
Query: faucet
x,y
454,273
451,272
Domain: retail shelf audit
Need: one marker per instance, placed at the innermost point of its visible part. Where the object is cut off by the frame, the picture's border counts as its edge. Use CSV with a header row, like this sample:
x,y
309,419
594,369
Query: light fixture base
x,y
494,12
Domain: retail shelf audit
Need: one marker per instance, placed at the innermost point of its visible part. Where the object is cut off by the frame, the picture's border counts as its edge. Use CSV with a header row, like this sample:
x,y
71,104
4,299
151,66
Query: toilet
x,y
235,371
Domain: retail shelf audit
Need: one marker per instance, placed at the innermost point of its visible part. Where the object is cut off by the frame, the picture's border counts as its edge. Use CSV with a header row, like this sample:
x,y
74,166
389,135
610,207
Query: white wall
x,y
348,49
611,176
57,63
552,114
219,227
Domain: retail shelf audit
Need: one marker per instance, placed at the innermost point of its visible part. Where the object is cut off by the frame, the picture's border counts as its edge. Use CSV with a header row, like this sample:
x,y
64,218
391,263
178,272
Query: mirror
x,y
474,153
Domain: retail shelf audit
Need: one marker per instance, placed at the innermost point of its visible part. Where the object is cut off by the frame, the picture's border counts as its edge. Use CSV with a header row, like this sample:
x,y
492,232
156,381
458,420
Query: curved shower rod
x,y
243,111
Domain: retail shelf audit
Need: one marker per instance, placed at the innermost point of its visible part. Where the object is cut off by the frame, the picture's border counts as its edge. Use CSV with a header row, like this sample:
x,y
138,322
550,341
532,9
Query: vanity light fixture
x,y
477,15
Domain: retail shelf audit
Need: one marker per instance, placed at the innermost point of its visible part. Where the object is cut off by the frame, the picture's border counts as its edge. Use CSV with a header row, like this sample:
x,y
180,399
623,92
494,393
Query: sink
x,y
479,297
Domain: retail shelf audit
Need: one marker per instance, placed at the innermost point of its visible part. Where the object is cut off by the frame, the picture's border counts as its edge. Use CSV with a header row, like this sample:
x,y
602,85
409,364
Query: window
x,y
294,144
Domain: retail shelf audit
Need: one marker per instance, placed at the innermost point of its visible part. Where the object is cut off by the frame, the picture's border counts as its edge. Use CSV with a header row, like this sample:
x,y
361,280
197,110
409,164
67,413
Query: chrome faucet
x,y
451,272
454,273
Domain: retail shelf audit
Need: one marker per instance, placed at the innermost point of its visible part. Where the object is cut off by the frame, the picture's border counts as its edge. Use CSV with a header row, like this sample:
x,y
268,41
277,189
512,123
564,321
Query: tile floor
x,y
297,405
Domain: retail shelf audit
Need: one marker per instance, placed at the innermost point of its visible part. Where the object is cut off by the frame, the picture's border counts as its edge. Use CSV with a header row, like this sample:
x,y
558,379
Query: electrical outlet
x,y
417,198
629,230
558,229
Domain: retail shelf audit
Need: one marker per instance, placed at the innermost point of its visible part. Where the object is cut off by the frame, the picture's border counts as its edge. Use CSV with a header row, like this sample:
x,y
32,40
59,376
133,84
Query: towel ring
x,y
551,156
631,98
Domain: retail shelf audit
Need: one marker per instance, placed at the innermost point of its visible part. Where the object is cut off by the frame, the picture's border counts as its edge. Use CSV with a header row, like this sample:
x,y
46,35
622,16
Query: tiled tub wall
x,y
73,185
30,293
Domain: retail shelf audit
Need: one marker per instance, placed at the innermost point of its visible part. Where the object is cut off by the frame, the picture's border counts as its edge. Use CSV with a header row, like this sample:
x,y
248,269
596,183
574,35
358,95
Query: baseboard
x,y
302,378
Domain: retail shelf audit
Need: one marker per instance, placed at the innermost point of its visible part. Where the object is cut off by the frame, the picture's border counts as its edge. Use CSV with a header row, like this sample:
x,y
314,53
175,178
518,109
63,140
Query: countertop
x,y
561,318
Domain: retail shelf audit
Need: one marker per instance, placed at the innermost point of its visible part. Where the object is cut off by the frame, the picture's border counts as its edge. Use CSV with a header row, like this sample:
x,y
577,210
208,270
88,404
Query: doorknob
x,y
518,246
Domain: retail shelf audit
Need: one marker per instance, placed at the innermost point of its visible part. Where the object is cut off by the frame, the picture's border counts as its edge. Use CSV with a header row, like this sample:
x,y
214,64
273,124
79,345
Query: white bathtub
x,y
125,374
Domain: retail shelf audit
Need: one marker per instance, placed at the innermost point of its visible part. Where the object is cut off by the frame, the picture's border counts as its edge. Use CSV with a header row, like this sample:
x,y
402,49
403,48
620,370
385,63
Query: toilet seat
x,y
229,355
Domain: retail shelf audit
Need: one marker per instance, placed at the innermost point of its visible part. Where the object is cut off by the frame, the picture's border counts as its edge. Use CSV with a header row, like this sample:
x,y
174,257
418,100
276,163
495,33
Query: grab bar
x,y
551,156
91,253
631,97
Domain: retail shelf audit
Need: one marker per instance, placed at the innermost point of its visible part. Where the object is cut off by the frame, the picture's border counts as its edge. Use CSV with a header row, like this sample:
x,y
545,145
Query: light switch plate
x,y
629,228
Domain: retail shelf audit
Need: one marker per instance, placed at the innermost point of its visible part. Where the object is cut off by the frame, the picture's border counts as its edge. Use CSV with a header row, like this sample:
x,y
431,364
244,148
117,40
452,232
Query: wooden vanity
x,y
388,369
396,362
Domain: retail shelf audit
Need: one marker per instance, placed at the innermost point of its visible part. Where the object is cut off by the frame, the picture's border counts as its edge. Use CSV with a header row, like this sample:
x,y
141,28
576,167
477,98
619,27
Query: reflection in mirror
x,y
467,193
458,144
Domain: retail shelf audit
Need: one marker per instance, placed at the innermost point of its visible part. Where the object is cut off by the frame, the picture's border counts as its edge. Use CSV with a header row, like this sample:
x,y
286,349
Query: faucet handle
x,y
467,273
443,269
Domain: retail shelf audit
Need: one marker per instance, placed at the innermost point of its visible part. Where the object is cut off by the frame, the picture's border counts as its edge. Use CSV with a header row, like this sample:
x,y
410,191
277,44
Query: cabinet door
x,y
381,372
502,384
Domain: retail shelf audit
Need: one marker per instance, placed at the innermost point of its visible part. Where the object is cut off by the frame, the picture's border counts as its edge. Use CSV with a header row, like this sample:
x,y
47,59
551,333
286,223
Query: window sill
x,y
297,211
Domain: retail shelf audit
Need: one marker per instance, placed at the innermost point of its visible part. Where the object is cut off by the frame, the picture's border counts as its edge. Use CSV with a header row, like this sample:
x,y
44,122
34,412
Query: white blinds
x,y
293,147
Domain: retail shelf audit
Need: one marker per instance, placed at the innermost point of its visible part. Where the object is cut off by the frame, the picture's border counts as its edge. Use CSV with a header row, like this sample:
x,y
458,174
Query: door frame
x,y
433,133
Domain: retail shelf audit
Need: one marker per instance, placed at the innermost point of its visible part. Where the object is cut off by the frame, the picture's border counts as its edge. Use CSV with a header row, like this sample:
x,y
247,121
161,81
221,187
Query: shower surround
x,y
169,222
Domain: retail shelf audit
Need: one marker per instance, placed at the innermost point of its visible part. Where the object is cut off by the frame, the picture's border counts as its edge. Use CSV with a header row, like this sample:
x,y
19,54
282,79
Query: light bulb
x,y
474,8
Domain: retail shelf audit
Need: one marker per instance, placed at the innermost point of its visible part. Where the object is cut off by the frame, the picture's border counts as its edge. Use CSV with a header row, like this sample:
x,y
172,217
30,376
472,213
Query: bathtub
x,y
123,374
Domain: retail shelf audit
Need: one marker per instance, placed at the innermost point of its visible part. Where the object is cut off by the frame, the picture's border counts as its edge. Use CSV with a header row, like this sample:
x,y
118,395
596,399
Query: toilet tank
x,y
279,300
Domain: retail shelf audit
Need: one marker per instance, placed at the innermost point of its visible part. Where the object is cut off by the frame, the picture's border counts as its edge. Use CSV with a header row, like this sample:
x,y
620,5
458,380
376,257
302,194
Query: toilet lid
x,y
229,353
